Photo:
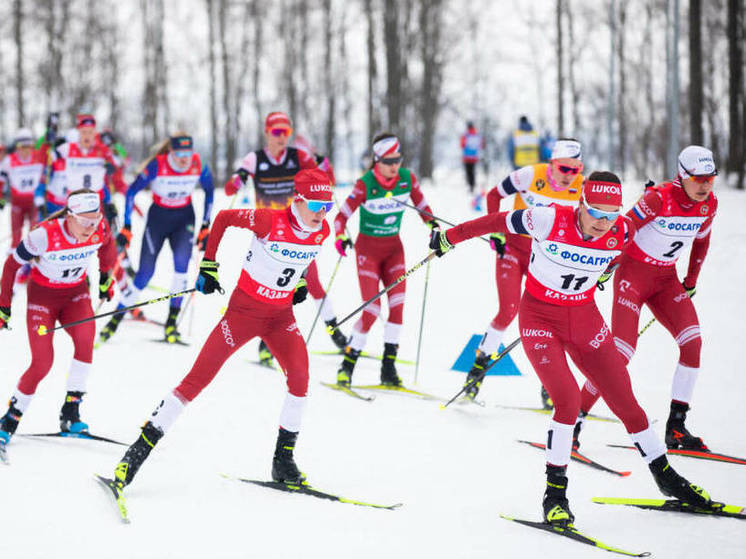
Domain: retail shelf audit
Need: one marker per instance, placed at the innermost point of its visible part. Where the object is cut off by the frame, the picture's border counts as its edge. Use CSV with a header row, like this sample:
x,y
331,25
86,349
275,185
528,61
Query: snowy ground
x,y
454,470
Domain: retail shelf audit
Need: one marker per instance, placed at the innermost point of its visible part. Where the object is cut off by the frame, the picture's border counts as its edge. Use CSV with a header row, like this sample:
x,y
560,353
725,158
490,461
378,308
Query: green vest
x,y
380,215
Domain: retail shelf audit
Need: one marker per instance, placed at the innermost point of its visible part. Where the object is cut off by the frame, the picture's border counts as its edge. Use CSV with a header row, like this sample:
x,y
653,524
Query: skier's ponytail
x,y
159,149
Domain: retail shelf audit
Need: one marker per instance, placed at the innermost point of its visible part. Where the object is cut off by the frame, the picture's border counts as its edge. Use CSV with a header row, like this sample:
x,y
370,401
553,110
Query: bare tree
x,y
258,14
621,113
392,46
696,91
55,16
211,23
560,76
374,122
735,89
329,89
229,113
20,76
430,25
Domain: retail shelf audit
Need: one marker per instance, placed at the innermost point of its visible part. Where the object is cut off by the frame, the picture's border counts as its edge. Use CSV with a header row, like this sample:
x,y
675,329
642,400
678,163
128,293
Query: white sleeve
x,y
538,221
249,163
517,181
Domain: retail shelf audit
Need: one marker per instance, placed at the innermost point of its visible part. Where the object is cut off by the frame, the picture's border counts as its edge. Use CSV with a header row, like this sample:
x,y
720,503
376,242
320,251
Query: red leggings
x,y
244,319
635,284
47,305
548,331
380,260
21,210
509,272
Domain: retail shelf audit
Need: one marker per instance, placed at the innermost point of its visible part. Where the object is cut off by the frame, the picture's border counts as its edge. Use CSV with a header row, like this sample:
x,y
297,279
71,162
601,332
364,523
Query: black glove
x,y
603,278
43,213
4,317
301,291
649,184
207,280
110,211
433,225
439,242
689,290
497,242
105,286
124,237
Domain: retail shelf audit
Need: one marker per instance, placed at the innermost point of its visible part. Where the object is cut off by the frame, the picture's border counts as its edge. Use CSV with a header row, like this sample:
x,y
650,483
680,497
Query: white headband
x,y
83,202
566,148
383,147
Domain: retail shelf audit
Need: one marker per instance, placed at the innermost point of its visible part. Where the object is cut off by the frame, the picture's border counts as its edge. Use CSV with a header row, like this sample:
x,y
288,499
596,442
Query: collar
x,y
279,160
388,184
175,167
297,222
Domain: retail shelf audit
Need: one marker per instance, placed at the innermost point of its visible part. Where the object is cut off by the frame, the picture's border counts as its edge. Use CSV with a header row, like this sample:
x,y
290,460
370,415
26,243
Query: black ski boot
x,y
556,507
136,454
172,334
265,355
111,327
546,400
9,423
388,370
339,339
70,414
677,435
474,379
672,484
344,374
576,431
284,468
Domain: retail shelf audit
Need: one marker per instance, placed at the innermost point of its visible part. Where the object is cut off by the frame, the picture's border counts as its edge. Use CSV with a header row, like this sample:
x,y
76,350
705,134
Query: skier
x,y
380,254
558,182
472,145
523,145
570,251
285,242
670,218
272,170
59,251
172,174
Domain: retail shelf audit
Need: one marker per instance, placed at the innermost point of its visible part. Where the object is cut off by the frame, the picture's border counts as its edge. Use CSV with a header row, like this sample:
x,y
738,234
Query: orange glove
x,y
204,234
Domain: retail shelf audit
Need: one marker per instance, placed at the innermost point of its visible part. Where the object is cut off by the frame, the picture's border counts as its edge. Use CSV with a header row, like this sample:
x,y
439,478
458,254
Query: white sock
x,y
77,379
167,411
649,444
21,401
391,333
683,383
491,340
559,443
358,339
326,312
130,296
292,412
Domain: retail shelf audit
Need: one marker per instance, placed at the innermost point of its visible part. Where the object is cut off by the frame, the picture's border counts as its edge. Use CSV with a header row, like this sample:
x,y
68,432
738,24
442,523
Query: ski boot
x,y
9,423
672,484
578,427
344,374
111,327
70,414
339,339
556,507
265,355
677,435
136,454
172,334
546,400
476,375
284,468
388,370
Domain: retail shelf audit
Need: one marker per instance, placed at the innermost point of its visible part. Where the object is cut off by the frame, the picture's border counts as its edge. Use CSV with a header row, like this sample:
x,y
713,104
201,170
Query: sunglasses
x,y
703,179
392,160
277,132
600,214
317,205
183,153
569,169
87,221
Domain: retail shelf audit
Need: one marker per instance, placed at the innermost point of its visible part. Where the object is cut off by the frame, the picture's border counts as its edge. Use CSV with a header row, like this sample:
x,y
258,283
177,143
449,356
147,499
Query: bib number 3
x,y
284,279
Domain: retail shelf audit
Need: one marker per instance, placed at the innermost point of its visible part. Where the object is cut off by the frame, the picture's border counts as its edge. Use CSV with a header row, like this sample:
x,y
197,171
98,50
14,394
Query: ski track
x,y
454,470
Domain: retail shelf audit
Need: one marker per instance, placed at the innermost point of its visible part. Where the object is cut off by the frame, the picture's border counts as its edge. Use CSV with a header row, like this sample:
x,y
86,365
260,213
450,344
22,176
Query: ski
x,y
177,342
113,489
349,391
574,534
81,435
145,321
545,411
575,455
715,456
363,354
674,505
4,455
465,401
401,389
306,489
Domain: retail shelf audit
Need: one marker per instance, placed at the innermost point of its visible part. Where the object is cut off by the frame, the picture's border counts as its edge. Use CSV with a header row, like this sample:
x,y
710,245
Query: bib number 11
x,y
569,278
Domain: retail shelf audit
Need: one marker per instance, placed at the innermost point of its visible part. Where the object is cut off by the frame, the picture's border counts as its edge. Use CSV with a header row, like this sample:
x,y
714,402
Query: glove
x,y
606,276
4,317
2,203
439,243
233,185
649,184
207,280
342,243
433,225
105,286
110,211
42,209
497,242
124,237
202,237
301,291
689,290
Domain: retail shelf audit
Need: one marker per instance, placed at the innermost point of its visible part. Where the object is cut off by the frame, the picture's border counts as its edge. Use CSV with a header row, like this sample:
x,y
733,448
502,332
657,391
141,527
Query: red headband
x,y
601,192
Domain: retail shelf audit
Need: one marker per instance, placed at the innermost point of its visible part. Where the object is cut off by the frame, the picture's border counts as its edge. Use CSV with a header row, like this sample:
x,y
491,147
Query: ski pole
x,y
385,290
43,330
422,323
428,214
323,300
474,381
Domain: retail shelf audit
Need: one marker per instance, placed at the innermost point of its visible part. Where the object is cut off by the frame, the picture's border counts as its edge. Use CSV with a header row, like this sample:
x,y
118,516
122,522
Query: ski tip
x,y
625,474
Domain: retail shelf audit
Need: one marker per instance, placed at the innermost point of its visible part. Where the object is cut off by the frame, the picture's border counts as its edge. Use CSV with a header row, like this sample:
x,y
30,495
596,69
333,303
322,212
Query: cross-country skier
x,y
272,169
472,146
670,218
285,242
59,251
558,182
570,251
379,250
172,175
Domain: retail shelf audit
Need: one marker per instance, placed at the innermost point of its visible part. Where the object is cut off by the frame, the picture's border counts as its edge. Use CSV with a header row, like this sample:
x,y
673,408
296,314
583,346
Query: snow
x,y
454,470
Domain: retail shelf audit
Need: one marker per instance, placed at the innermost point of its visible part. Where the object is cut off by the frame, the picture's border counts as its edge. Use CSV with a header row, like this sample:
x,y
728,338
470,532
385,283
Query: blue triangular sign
x,y
504,367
